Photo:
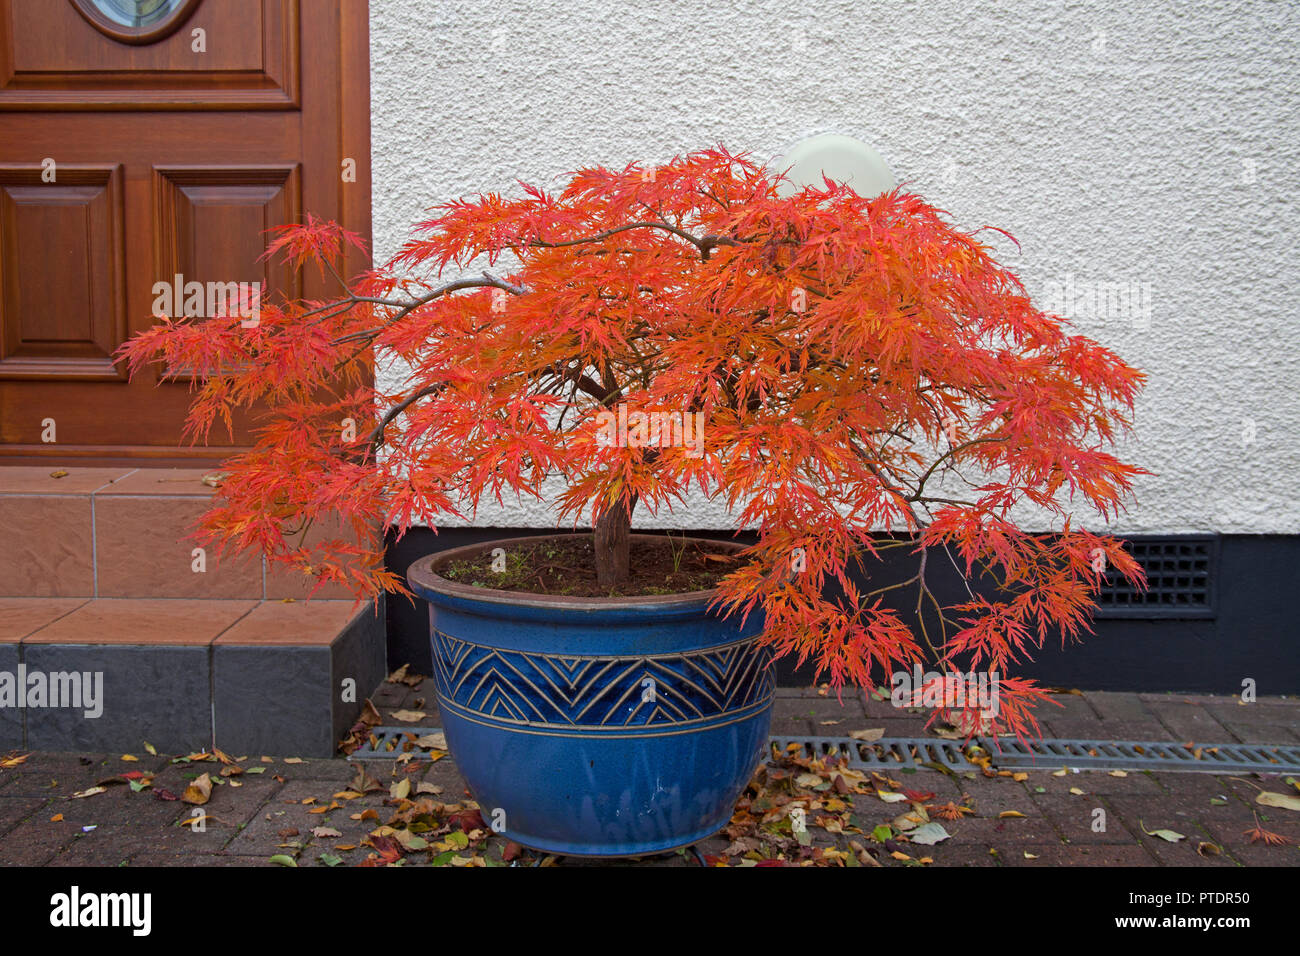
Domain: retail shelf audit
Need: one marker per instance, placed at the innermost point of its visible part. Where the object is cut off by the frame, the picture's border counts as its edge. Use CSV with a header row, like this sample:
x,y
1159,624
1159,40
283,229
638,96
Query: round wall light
x,y
840,158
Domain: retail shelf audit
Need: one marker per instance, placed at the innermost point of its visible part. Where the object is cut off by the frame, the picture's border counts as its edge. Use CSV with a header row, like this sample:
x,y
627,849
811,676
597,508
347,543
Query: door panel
x,y
63,303
228,53
158,173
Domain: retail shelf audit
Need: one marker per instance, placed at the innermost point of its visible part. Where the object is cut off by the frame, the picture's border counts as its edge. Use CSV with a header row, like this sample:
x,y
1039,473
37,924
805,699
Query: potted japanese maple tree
x,y
843,375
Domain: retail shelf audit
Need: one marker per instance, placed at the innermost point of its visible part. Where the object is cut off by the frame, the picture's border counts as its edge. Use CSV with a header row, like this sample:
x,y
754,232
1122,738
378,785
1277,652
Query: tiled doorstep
x,y
287,677
124,533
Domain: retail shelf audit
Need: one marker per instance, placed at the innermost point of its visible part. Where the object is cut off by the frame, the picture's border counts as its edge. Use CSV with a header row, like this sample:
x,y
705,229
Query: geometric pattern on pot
x,y
677,691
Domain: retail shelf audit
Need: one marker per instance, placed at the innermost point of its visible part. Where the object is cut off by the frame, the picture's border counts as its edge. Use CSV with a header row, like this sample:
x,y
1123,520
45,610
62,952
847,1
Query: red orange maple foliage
x,y
861,365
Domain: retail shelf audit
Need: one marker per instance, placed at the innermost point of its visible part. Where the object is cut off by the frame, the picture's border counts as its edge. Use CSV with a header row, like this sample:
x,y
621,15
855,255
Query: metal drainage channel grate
x,y
910,753
894,753
1143,755
1052,754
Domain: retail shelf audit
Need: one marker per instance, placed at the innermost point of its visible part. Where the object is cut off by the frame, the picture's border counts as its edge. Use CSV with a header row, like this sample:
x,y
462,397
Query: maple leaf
x,y
1258,834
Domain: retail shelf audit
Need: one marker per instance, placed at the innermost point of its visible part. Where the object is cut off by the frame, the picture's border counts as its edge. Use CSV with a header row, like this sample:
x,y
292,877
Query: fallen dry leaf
x,y
199,791
1169,836
409,716
1285,801
871,735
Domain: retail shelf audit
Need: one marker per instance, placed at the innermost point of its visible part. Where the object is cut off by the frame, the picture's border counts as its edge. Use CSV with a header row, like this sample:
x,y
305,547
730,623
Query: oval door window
x,y
136,21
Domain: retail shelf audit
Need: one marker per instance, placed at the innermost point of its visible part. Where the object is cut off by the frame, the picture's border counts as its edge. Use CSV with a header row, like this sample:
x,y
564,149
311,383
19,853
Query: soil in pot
x,y
568,566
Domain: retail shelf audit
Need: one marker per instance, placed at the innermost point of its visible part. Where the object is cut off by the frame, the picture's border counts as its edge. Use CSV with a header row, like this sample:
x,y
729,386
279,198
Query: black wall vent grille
x,y
1180,579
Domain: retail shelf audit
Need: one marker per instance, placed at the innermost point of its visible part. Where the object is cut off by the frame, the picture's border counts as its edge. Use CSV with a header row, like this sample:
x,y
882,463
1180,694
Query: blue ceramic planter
x,y
596,726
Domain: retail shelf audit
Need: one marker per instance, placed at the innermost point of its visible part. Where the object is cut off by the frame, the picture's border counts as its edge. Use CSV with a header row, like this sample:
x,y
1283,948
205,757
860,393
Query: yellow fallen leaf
x,y
1019,777
1284,801
1119,773
900,856
1008,814
130,758
870,736
293,760
1060,773
334,805
1076,791
1030,856
400,790
57,818
90,792
150,747
199,791
409,716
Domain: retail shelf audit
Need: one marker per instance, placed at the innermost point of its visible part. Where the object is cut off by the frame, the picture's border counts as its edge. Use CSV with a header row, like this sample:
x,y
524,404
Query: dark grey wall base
x,y
248,699
154,693
11,718
290,700
1250,633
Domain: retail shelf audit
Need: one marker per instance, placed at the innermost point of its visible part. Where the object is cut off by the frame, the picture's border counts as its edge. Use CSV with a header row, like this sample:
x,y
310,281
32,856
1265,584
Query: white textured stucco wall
x,y
1151,144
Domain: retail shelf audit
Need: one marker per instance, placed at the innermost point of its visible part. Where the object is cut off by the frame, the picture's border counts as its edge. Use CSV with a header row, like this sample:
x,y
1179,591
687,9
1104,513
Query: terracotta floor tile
x,y
22,616
163,481
298,623
36,480
47,546
128,621
141,551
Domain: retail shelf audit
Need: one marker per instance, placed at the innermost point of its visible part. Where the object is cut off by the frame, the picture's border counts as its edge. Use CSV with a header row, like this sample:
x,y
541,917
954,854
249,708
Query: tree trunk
x,y
612,544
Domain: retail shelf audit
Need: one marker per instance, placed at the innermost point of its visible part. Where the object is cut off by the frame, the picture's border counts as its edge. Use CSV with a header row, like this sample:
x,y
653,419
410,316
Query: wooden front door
x,y
141,140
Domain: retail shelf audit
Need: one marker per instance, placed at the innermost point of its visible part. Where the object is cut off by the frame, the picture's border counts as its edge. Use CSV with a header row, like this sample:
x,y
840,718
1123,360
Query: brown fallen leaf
x,y
199,791
1258,834
57,818
325,832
